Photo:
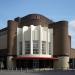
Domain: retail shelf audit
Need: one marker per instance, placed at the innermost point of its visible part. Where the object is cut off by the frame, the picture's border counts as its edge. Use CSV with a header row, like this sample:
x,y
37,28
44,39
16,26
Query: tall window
x,y
20,48
27,47
50,52
43,47
35,47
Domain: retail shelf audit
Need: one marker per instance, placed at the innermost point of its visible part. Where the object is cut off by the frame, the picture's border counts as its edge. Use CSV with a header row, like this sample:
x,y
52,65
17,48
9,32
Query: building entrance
x,y
34,63
24,64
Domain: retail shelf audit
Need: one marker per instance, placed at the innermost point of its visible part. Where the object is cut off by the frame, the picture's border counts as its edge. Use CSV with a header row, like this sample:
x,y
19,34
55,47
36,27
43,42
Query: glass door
x,y
35,63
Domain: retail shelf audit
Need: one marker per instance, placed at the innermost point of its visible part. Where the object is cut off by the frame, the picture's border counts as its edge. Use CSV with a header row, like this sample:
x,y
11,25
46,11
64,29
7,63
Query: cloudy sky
x,y
53,9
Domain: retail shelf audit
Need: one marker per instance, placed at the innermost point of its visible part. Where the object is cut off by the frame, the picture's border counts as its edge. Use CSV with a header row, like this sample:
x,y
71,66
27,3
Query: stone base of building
x,y
61,63
10,62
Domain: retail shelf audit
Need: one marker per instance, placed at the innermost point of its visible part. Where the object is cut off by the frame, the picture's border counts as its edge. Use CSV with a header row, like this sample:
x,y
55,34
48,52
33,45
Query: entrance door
x,y
35,63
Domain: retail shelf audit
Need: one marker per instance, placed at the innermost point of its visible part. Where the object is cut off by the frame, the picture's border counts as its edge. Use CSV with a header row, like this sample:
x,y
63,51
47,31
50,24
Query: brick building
x,y
34,41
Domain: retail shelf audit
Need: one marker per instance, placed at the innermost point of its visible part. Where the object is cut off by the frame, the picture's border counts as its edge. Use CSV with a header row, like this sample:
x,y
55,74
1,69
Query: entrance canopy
x,y
40,58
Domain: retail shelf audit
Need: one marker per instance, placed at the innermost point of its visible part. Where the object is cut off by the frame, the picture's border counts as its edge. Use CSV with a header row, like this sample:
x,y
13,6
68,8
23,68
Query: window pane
x,y
20,48
35,47
43,47
27,47
50,48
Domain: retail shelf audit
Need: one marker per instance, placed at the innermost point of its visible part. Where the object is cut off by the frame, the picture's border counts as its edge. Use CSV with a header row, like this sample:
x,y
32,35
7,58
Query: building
x,y
35,41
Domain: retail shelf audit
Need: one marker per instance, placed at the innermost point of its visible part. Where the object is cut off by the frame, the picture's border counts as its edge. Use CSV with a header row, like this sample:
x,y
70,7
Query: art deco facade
x,y
34,41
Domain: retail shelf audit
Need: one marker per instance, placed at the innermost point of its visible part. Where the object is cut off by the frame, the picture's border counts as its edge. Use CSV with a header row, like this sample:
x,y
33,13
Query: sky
x,y
55,10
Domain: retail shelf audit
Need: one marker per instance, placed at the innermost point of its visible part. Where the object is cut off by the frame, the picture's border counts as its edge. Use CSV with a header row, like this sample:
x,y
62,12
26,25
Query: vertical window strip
x,y
20,48
50,52
27,47
35,47
43,47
